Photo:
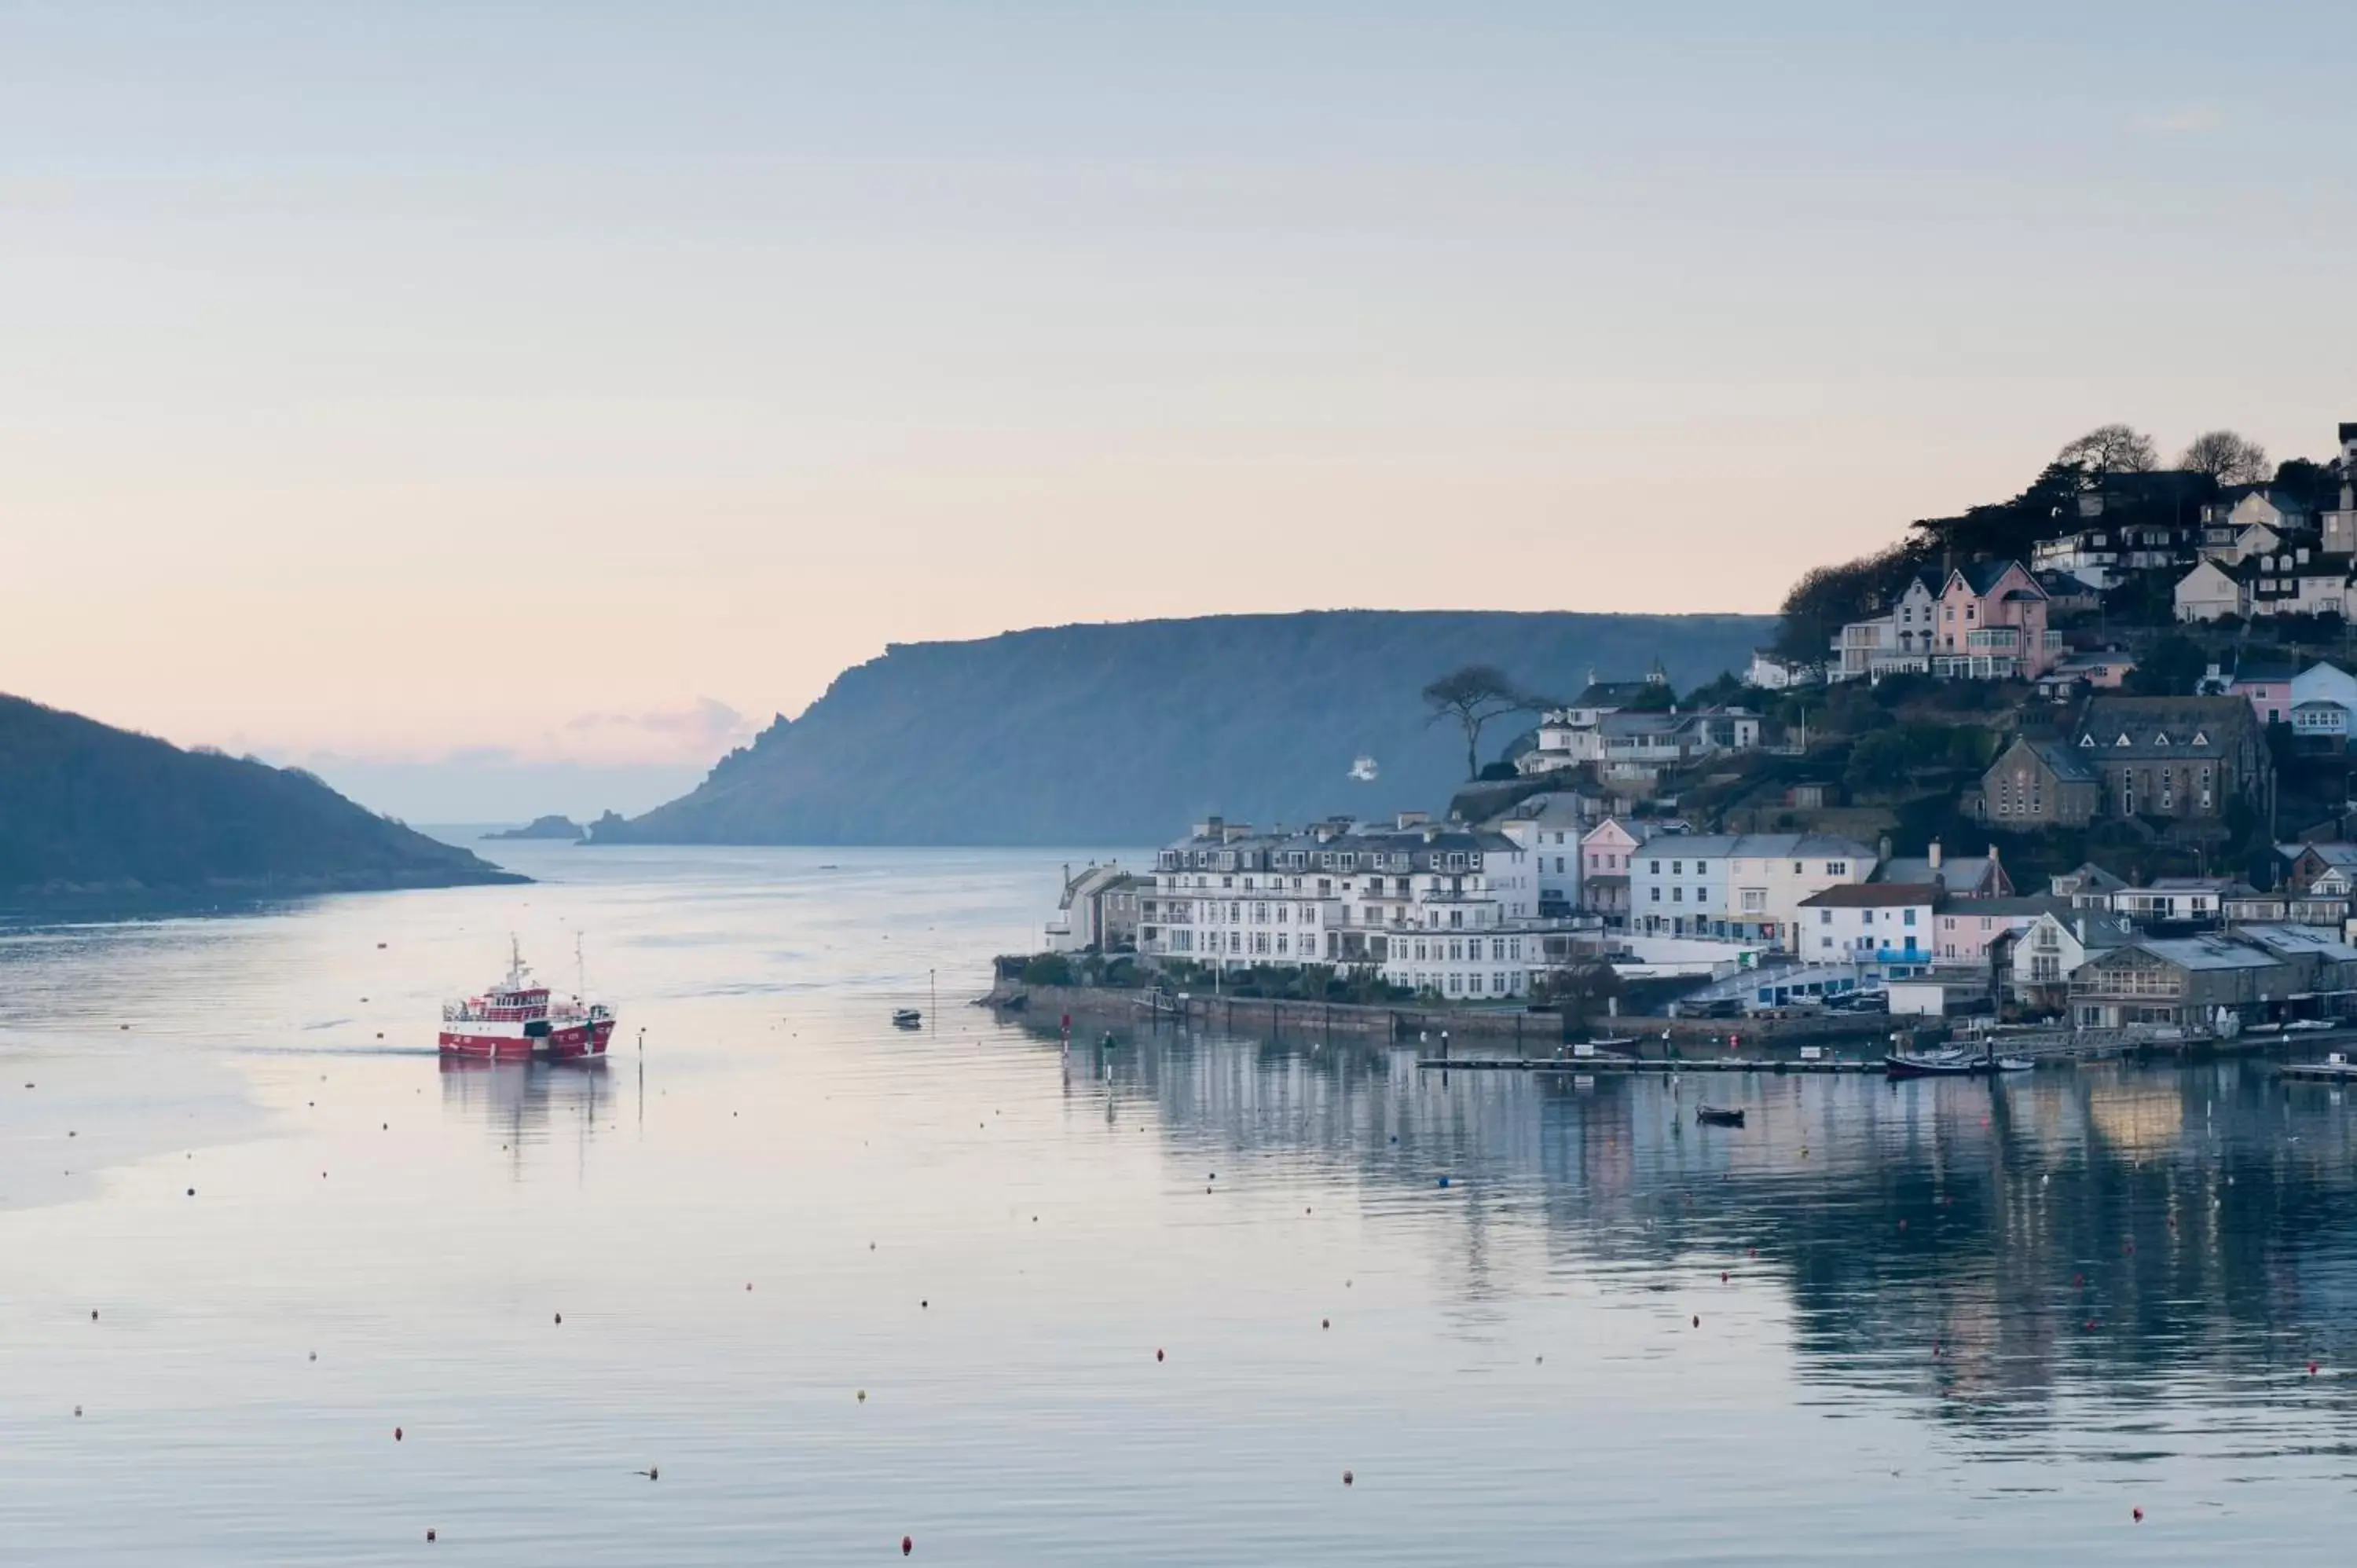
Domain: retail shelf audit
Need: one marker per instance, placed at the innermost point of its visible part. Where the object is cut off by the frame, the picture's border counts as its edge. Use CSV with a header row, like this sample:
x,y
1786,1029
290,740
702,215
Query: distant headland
x,y
93,816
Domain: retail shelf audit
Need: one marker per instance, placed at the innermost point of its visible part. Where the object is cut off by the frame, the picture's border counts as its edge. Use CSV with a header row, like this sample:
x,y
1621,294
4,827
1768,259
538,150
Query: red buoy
x,y
396,1434
2138,1514
1722,1276
907,1545
1157,1355
2312,1366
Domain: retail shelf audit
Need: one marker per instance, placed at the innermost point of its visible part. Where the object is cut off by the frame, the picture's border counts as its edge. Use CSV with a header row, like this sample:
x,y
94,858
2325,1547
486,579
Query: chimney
x,y
1933,852
1882,847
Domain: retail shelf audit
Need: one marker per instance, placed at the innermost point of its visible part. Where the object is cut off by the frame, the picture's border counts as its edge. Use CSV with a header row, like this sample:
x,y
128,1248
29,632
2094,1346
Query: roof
x,y
1872,896
2035,904
2202,953
2285,941
2193,728
2061,760
1980,577
1764,846
1956,873
2256,669
2089,877
2341,854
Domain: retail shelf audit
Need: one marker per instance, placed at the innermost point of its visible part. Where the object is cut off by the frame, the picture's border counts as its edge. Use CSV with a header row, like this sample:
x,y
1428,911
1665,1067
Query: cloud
x,y
2188,122
699,731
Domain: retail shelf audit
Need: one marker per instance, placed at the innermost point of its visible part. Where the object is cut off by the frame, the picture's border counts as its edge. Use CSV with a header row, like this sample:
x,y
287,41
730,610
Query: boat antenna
x,y
515,962
580,971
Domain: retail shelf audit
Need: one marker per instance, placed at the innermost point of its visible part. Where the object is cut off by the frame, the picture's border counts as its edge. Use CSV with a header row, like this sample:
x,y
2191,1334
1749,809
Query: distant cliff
x,y
1124,734
92,814
552,827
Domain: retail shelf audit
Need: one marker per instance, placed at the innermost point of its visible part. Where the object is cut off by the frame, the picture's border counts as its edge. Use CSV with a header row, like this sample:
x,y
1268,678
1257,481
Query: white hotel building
x,y
1436,906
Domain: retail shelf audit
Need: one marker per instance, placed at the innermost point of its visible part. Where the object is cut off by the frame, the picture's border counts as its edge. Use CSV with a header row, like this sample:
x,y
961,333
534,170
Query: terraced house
x,y
1738,887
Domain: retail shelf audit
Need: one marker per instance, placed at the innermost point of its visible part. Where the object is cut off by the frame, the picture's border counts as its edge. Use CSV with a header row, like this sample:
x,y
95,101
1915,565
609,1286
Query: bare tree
x,y
1473,696
2111,449
2229,458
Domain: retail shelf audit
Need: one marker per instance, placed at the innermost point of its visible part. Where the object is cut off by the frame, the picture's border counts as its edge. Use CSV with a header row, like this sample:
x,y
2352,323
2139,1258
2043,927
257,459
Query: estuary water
x,y
1144,1309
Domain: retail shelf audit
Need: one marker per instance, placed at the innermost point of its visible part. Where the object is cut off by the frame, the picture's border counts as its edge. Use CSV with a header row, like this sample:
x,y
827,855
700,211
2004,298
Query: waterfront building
x,y
1746,887
1551,827
1959,875
1098,911
1884,927
1604,859
1440,906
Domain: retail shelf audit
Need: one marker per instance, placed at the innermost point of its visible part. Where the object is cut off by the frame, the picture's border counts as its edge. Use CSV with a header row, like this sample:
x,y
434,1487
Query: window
x,y
1909,918
1838,868
1825,917
1656,893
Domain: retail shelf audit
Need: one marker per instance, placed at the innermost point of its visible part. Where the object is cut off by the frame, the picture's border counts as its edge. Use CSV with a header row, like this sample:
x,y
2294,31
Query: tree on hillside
x,y
1878,764
2311,481
2229,458
1473,696
2171,667
2111,449
1827,598
2002,529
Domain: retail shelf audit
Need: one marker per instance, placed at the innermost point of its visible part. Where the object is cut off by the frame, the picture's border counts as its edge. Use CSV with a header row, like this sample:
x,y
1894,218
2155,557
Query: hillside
x,y
1124,734
91,812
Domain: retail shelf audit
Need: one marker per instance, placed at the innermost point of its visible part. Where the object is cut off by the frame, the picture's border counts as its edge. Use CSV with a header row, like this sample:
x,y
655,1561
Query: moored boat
x,y
907,1017
1715,1116
518,1019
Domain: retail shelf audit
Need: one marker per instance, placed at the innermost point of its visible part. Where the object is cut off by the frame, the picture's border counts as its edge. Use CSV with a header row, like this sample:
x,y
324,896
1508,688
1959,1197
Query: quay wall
x,y
1494,1031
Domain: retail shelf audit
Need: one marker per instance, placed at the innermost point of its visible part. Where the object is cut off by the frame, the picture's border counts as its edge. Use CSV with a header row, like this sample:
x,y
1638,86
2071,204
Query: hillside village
x,y
2083,756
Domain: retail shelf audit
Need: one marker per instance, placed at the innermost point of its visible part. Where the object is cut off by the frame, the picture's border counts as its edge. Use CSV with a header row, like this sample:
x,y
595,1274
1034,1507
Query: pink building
x,y
1992,624
2267,688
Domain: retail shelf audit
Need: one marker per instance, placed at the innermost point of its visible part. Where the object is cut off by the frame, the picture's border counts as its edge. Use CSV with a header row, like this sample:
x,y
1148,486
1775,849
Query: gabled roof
x,y
2188,728
1958,874
1873,896
2089,877
1980,577
1610,693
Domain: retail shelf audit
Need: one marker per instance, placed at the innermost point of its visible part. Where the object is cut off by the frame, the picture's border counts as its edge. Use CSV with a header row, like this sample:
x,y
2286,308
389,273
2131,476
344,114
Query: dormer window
x,y
2201,739
2122,740
2160,740
2086,740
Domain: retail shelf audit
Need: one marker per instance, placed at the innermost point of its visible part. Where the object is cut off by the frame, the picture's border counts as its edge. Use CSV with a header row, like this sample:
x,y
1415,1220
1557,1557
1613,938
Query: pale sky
x,y
392,380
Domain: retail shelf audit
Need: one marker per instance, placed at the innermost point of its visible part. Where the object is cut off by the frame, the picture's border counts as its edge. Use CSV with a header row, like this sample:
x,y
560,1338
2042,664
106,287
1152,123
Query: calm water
x,y
1955,1323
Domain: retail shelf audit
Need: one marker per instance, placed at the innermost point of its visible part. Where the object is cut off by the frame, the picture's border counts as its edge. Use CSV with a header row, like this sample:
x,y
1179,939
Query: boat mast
x,y
580,972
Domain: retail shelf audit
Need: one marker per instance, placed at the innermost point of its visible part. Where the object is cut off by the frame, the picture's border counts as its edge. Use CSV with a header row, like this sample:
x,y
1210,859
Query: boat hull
x,y
574,1042
1920,1067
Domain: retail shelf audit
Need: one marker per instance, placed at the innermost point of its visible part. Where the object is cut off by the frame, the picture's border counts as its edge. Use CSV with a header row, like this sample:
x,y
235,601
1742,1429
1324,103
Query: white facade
x,y
1746,887
2323,698
1346,895
1772,673
2210,592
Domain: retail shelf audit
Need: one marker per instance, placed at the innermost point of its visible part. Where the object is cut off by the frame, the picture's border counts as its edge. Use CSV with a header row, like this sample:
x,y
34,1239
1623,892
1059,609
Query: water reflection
x,y
2099,1261
529,1104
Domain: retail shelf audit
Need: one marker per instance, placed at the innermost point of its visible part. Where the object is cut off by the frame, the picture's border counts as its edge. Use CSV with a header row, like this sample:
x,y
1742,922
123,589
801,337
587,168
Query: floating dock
x,y
2330,1072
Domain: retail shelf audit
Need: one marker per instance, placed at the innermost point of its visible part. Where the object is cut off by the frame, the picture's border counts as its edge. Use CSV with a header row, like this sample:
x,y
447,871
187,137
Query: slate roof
x,y
2161,728
1871,896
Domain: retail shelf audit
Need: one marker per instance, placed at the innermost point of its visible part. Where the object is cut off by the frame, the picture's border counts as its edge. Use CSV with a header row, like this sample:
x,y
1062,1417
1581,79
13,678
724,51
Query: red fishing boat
x,y
518,1019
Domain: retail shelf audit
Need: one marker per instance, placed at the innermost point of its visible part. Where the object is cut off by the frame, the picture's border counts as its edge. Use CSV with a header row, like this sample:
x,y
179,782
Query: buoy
x,y
1157,1355
1349,1479
93,1317
192,1192
314,1354
1697,1322
2312,1366
1322,1323
429,1534
906,1546
926,1303
1722,1276
1444,1181
396,1434
560,1317
2137,1514
77,1409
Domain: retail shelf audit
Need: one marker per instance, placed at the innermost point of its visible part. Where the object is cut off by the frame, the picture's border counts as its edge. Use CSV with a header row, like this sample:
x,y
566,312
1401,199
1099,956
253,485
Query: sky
x,y
430,390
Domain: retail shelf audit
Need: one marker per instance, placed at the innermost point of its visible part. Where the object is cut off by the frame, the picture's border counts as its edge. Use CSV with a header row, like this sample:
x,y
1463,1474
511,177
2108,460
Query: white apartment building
x,y
1550,827
1746,887
1442,907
